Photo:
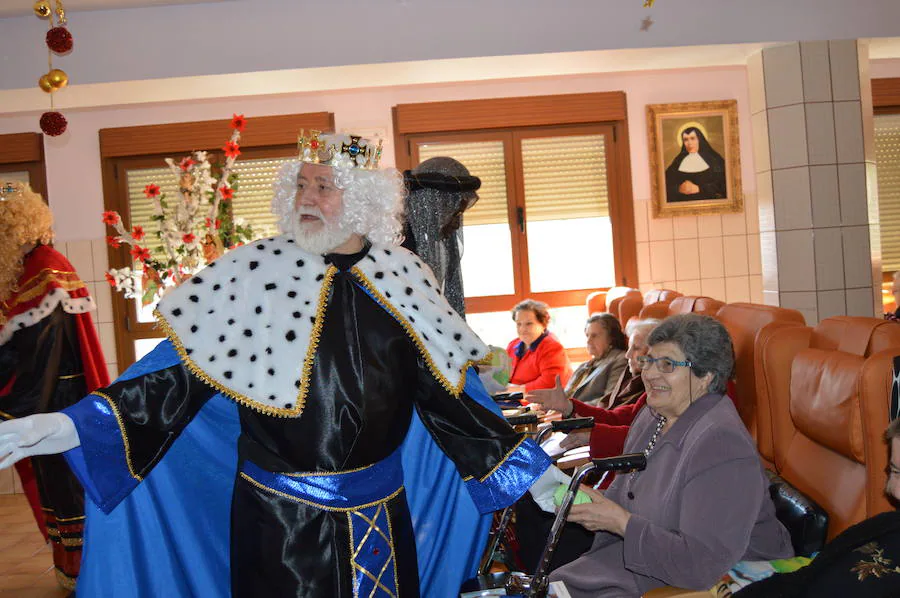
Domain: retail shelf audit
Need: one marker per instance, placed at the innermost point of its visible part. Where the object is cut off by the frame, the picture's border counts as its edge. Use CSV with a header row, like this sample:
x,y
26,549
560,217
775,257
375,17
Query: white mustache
x,y
308,211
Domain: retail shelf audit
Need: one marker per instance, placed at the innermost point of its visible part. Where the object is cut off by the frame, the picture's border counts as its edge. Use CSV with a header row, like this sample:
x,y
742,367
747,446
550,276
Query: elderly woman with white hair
x,y
702,504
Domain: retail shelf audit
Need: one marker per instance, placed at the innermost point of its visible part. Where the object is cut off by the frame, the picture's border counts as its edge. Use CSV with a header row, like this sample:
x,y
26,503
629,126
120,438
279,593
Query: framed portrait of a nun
x,y
695,163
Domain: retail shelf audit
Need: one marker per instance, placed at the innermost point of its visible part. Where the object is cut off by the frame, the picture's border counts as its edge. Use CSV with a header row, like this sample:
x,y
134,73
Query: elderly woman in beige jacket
x,y
599,376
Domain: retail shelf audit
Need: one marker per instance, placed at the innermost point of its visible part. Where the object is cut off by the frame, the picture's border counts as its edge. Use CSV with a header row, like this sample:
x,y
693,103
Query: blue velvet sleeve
x,y
126,428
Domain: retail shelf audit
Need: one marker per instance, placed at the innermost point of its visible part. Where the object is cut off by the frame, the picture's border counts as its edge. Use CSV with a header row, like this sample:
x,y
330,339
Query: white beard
x,y
326,238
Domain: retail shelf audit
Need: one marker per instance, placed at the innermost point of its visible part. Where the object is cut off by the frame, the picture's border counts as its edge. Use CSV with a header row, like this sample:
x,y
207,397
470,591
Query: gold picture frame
x,y
694,152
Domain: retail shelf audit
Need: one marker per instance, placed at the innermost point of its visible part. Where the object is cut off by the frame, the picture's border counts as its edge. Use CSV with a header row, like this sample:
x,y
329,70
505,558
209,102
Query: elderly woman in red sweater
x,y
537,357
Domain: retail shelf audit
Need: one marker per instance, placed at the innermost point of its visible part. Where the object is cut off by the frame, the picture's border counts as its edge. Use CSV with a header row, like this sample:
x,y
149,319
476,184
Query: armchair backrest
x,y
829,389
744,321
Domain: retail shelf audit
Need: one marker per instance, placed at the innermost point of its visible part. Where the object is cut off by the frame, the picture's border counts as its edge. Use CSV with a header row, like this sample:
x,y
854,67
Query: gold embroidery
x,y
352,553
503,460
315,473
455,390
67,583
62,519
876,566
387,538
387,513
297,409
262,486
314,337
37,285
6,415
121,423
70,376
55,537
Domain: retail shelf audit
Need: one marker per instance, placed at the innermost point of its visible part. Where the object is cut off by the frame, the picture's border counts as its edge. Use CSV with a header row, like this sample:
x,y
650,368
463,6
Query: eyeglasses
x,y
663,364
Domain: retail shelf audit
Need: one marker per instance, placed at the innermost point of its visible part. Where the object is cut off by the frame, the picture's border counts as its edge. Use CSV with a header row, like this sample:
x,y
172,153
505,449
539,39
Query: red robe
x,y
50,357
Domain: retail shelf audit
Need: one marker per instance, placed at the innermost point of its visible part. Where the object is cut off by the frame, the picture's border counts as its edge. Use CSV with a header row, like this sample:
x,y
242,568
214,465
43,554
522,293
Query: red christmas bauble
x,y
53,123
59,40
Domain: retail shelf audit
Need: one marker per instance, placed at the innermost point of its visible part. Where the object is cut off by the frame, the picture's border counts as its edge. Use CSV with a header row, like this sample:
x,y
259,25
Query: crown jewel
x,y
7,188
316,148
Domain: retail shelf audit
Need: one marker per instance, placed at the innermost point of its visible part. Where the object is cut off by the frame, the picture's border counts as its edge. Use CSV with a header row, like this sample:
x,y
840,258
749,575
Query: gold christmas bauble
x,y
42,8
45,85
58,78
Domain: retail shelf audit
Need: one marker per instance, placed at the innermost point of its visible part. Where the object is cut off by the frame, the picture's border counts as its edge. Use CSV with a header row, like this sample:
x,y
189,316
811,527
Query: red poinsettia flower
x,y
238,122
110,280
232,149
151,190
110,218
227,193
139,253
209,223
114,242
186,163
138,233
188,238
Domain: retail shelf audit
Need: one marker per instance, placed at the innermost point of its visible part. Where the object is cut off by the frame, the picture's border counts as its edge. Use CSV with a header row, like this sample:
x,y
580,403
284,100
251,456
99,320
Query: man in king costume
x,y
358,442
50,358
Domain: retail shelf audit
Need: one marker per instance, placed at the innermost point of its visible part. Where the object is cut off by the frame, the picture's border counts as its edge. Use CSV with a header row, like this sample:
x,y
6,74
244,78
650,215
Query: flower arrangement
x,y
193,230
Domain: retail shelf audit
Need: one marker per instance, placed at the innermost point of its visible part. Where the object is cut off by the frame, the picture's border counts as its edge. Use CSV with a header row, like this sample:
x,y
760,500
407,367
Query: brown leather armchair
x,y
596,302
624,303
829,390
745,323
685,304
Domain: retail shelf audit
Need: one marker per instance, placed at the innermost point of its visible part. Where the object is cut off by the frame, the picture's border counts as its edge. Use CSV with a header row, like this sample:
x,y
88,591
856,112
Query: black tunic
x,y
367,377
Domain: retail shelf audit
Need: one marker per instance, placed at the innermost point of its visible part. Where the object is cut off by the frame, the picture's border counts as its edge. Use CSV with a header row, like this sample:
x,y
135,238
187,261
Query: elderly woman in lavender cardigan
x,y
702,504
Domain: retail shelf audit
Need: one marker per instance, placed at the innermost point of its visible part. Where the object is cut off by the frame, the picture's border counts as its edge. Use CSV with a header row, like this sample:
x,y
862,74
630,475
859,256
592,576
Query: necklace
x,y
660,423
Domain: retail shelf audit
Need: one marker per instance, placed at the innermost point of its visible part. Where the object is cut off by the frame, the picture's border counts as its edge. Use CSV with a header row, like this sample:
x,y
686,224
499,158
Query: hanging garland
x,y
59,41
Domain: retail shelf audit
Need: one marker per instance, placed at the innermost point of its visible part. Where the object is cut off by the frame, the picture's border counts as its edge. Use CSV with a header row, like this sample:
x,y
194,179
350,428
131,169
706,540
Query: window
x,y
886,102
553,221
130,165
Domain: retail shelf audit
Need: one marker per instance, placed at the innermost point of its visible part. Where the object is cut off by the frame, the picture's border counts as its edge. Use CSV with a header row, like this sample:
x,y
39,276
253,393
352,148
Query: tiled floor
x,y
26,565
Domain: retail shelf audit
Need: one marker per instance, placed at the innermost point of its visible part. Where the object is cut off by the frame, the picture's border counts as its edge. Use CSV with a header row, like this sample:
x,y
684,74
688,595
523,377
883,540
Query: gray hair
x,y
372,201
646,325
704,342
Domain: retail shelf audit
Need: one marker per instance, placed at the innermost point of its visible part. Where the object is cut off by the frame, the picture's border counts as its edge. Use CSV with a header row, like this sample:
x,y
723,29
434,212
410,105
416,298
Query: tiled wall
x,y
89,259
715,255
815,175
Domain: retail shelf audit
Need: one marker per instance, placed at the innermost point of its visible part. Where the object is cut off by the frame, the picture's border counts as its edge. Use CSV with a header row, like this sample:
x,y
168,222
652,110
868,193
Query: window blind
x,y
251,202
565,177
887,158
486,160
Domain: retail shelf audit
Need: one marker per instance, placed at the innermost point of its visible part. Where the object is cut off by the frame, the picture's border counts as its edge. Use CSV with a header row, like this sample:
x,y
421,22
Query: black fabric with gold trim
x,y
368,366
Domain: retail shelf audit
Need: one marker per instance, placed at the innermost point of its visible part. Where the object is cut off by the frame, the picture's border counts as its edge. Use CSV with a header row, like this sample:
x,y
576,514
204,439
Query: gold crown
x,y
317,148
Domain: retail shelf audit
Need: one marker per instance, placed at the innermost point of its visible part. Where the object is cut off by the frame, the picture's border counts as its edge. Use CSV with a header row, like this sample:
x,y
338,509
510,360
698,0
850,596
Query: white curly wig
x,y
372,200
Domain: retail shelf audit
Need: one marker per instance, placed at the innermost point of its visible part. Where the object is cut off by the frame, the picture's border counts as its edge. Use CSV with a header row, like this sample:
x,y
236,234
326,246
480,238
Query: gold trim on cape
x,y
456,389
243,399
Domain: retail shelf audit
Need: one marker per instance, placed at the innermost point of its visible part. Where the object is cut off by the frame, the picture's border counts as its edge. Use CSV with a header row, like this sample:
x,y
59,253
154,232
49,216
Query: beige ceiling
x,y
15,8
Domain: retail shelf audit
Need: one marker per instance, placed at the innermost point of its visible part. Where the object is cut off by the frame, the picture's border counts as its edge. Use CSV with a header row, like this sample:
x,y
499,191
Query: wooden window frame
x,y
146,146
414,122
25,151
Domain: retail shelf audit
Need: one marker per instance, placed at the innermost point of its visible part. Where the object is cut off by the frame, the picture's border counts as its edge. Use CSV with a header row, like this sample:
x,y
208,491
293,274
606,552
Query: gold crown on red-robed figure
x,y
319,148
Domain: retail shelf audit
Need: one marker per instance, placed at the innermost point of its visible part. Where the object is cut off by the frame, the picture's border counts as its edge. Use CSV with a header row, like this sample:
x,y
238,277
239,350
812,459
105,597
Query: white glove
x,y
41,434
545,487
